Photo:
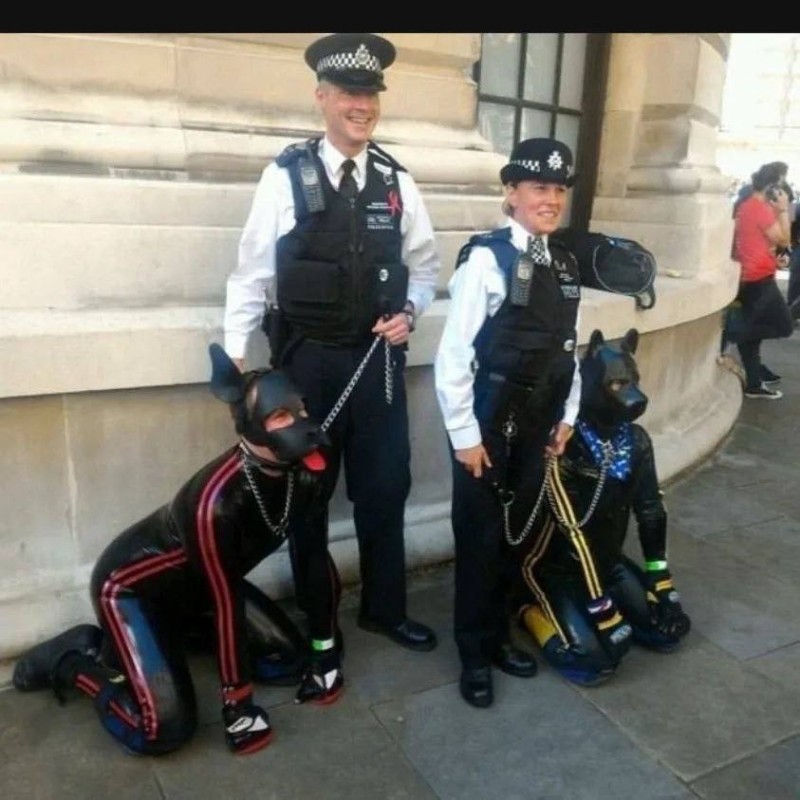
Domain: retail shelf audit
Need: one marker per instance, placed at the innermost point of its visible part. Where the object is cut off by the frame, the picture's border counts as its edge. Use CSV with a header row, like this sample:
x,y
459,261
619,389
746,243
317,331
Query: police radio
x,y
521,277
312,186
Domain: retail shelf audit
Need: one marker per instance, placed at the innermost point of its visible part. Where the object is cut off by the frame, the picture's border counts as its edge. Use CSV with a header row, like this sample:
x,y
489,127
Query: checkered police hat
x,y
351,60
544,160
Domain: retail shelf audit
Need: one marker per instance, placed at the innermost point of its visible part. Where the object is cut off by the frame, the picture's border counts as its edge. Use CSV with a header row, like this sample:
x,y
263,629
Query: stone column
x,y
658,184
658,181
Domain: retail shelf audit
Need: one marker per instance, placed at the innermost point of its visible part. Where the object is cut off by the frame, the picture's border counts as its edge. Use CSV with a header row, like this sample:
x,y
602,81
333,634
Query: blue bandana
x,y
622,443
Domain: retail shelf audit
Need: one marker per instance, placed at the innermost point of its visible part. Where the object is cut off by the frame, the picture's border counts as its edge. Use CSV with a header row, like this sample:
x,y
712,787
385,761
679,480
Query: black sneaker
x,y
36,669
763,392
768,376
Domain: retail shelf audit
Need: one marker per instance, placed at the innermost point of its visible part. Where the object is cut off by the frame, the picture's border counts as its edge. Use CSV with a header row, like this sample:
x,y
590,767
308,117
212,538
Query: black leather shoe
x,y
514,661
476,686
410,634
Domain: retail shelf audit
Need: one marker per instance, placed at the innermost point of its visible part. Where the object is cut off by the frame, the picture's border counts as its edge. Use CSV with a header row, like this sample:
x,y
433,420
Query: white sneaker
x,y
764,392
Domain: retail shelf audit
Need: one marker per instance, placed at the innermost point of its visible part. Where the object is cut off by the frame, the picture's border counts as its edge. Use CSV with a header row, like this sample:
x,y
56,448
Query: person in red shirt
x,y
761,225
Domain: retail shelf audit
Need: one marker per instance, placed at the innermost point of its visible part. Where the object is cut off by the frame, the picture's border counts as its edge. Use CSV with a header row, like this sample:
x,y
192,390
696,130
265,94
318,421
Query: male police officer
x,y
340,244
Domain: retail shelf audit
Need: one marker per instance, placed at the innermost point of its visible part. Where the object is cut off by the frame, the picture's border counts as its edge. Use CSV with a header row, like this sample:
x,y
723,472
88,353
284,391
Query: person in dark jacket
x,y
340,246
508,387
181,570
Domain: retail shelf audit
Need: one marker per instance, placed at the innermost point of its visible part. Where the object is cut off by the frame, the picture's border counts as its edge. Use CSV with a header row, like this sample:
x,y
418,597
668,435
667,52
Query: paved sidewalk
x,y
720,718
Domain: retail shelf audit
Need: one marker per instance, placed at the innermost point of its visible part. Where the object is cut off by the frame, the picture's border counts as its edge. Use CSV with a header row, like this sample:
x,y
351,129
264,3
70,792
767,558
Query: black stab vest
x,y
525,343
340,269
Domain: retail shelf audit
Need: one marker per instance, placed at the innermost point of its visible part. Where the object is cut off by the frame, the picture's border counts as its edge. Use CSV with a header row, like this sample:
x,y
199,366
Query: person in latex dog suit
x,y
179,573
587,601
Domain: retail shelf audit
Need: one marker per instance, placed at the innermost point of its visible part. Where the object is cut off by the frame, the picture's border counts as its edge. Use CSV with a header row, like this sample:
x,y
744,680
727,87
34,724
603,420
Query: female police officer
x,y
513,310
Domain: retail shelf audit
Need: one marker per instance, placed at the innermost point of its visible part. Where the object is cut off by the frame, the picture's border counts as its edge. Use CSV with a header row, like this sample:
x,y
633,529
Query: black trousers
x,y
370,437
486,567
765,316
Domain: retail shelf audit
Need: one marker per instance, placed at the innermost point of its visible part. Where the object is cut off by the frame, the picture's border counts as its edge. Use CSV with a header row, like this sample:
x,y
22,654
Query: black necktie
x,y
348,188
537,250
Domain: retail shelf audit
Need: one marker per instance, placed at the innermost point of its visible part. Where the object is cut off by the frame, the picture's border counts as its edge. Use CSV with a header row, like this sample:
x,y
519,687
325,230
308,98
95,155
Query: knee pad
x,y
129,733
571,661
575,666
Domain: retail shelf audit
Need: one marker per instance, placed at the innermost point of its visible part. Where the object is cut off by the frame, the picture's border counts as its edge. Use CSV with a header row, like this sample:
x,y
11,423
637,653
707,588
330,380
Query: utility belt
x,y
531,398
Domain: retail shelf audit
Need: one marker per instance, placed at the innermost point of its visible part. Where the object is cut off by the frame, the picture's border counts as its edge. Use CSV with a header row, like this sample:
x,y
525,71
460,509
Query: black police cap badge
x,y
351,60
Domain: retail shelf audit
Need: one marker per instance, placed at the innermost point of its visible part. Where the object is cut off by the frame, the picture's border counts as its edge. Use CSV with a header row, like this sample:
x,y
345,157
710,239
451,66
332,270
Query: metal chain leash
x,y
388,364
337,406
547,489
608,457
277,528
506,504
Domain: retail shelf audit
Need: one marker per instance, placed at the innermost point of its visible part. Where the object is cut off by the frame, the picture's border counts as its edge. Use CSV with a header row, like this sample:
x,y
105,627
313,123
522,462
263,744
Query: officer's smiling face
x,y
538,207
350,116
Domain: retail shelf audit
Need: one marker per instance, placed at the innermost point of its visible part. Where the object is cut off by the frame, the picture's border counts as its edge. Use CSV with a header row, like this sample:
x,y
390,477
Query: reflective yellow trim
x,y
539,625
576,535
610,623
528,574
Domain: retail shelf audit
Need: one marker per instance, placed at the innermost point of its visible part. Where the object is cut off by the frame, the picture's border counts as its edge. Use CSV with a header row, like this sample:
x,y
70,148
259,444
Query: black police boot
x,y
514,661
37,668
410,634
476,686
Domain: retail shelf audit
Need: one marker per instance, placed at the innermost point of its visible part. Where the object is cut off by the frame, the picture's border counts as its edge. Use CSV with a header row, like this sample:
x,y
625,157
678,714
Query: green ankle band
x,y
655,566
322,644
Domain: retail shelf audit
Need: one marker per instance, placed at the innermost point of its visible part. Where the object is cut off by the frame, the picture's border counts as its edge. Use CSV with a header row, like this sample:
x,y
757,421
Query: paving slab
x,y
339,751
772,547
703,507
782,667
771,775
539,740
733,601
62,752
697,708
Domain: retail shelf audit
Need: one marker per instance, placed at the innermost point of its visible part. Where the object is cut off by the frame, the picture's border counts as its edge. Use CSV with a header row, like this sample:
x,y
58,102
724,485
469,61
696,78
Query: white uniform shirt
x,y
477,290
252,283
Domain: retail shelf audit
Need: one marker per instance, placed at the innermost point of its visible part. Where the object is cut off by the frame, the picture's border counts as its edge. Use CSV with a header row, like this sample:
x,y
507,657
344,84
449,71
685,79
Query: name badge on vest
x,y
521,276
569,288
570,292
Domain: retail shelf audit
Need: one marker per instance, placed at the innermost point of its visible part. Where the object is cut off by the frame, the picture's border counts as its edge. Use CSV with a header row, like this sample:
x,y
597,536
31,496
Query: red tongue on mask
x,y
314,461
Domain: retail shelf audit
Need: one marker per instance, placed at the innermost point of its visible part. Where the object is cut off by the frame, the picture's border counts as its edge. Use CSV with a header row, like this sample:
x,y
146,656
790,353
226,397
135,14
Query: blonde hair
x,y
506,207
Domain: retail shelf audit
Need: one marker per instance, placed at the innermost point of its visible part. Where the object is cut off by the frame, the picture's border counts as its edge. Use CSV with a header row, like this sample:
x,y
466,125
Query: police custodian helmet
x,y
544,160
351,60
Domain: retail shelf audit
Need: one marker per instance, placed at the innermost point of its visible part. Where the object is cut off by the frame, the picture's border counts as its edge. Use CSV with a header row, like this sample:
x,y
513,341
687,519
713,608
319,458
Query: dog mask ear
x,y
596,341
630,341
227,382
